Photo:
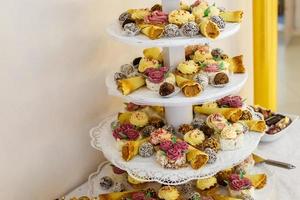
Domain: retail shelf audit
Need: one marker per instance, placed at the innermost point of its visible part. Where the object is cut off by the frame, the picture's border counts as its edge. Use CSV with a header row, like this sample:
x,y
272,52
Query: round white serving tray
x,y
144,96
148,169
115,30
105,169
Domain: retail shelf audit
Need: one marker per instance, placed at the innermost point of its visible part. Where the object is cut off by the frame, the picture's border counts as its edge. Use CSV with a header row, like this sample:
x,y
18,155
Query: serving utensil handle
x,y
280,164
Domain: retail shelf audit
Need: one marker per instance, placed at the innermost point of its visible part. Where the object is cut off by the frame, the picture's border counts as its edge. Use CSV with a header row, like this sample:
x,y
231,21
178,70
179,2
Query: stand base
x,y
179,115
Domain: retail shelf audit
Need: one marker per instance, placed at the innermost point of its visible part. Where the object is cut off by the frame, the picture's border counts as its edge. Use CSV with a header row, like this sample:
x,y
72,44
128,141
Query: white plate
x,y
148,169
116,31
144,96
271,138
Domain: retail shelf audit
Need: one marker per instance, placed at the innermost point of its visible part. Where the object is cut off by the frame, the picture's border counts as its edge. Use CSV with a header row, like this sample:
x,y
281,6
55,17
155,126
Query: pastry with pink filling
x,y
239,186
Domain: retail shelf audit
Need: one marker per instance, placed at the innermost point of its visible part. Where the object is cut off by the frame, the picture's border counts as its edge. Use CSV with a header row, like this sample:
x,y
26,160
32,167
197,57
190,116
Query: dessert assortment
x,y
112,183
161,153
193,20
275,122
203,66
143,131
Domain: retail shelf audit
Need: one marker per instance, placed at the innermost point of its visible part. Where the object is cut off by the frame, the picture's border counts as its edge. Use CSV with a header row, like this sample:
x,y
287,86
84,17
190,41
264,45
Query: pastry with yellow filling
x,y
146,63
201,56
180,17
199,10
168,193
124,117
209,29
139,119
184,6
206,183
187,67
136,184
129,85
232,16
131,148
256,125
258,180
191,89
116,195
139,14
154,53
196,158
194,137
231,114
152,31
221,197
236,64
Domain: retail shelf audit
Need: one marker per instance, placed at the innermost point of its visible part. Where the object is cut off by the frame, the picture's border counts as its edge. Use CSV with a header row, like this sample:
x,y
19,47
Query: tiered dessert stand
x,y
178,110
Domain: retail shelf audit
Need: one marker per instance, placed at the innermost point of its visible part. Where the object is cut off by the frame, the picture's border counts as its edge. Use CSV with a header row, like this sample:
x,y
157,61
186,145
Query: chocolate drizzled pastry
x,y
156,122
221,78
246,115
136,61
274,119
166,89
127,21
184,128
208,132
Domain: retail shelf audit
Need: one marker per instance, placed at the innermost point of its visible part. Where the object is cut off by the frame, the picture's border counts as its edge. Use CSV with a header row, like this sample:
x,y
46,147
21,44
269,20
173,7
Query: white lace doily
x,y
269,192
148,169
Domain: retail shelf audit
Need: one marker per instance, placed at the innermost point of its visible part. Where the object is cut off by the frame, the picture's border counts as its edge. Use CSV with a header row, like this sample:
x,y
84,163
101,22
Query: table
x,y
286,149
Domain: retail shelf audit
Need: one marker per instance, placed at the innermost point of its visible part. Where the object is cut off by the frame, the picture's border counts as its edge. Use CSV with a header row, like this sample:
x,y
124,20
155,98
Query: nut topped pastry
x,y
168,193
180,17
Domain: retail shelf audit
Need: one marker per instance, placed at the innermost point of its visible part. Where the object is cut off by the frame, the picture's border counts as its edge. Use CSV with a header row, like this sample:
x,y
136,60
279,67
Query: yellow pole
x,y
265,52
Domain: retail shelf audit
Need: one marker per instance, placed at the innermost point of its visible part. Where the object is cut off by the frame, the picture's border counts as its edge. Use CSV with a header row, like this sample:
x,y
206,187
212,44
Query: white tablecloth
x,y
286,149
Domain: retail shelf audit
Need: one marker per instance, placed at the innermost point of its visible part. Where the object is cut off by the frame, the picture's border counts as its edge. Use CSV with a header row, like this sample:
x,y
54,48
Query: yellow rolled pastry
x,y
256,125
129,85
131,148
232,16
152,31
117,195
237,64
221,197
139,118
258,180
180,80
196,158
191,88
146,63
138,14
232,114
124,117
209,29
153,53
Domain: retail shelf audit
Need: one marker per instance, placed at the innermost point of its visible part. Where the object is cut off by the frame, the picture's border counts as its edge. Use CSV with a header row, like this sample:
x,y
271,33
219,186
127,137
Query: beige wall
x,y
54,55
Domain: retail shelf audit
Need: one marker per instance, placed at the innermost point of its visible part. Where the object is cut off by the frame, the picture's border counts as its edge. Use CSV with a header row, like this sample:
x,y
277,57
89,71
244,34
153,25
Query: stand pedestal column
x,y
170,5
179,115
173,56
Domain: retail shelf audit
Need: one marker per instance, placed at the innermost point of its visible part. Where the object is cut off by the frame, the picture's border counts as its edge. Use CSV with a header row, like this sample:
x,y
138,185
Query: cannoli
x,y
129,85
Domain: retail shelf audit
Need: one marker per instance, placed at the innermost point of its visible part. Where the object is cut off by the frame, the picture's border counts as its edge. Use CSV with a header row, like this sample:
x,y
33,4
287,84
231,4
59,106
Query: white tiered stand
x,y
178,110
